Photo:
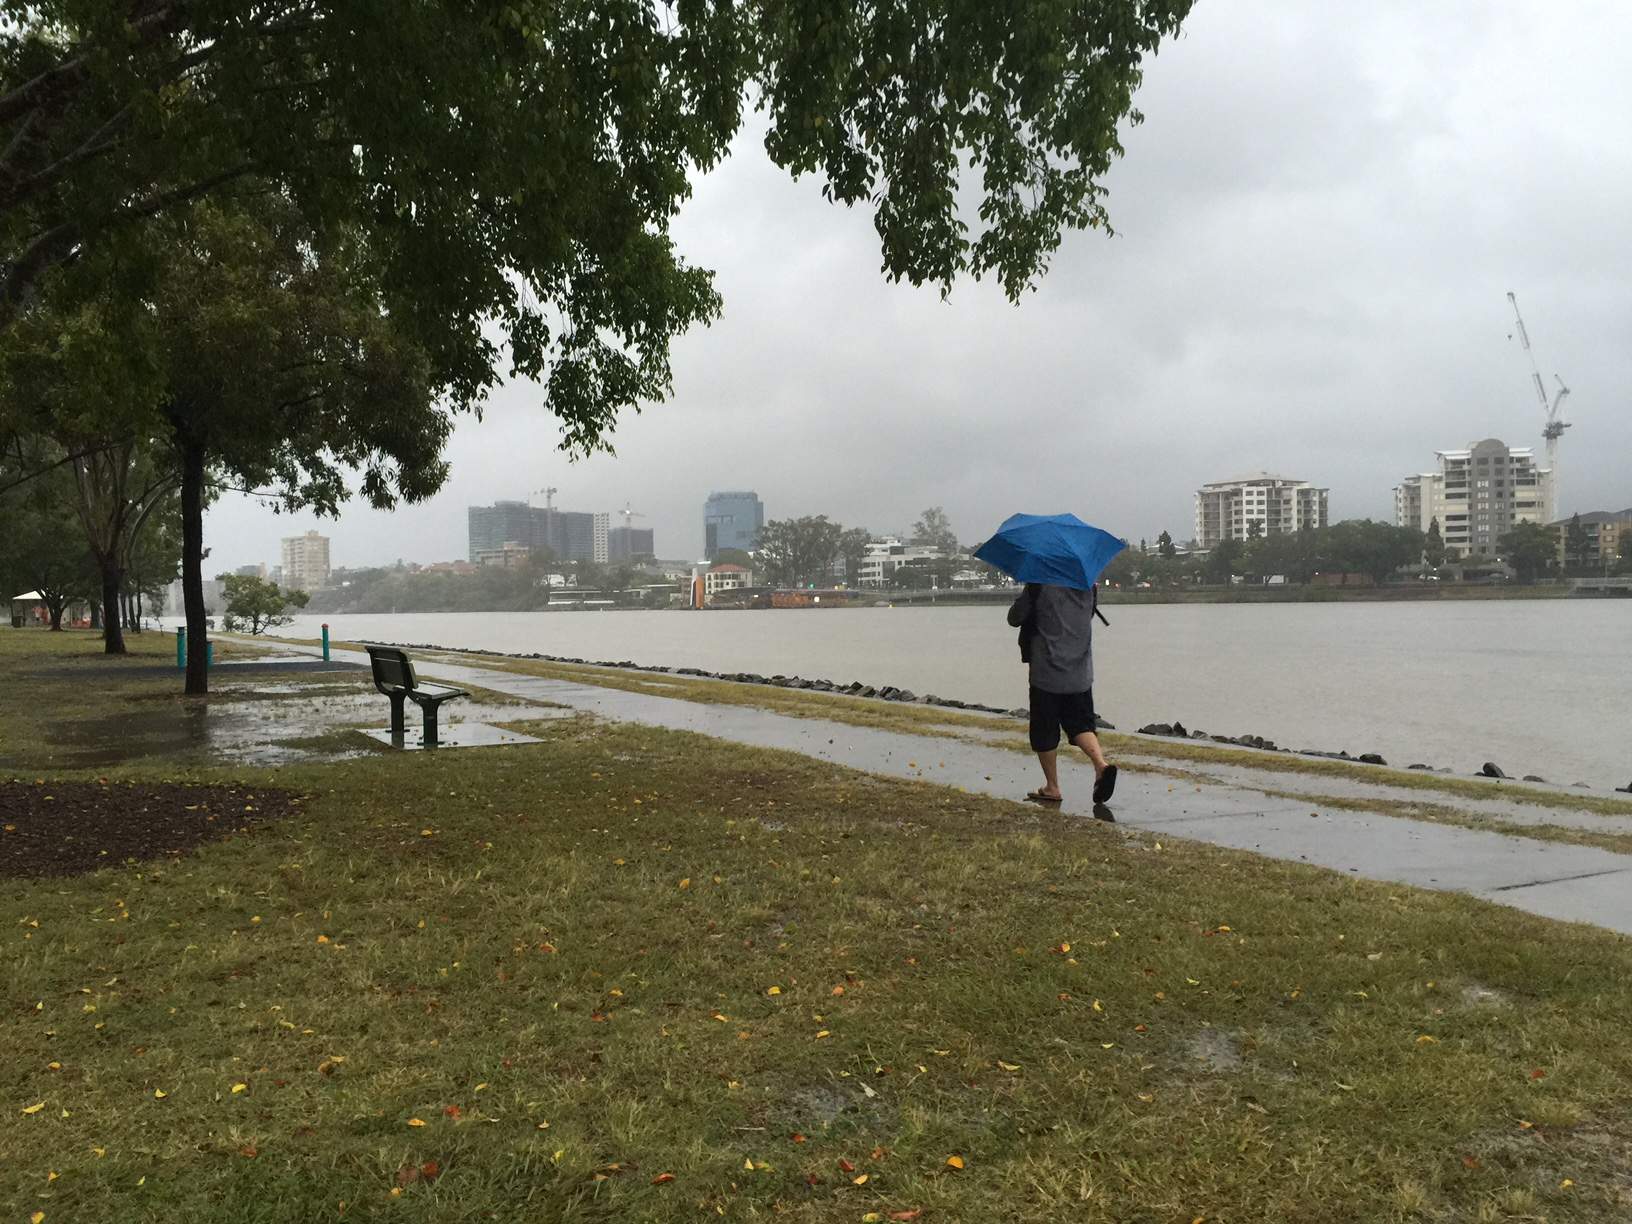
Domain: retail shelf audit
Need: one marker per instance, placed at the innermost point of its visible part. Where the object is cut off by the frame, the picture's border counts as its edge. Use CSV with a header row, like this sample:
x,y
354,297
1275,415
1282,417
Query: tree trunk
x,y
56,610
113,638
192,563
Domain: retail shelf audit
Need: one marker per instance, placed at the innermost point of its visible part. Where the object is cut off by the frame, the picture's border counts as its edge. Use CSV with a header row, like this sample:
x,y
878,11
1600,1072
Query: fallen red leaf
x,y
430,1170
845,1166
797,1137
454,1112
662,1179
907,1215
1470,1162
248,1151
1538,1073
599,1017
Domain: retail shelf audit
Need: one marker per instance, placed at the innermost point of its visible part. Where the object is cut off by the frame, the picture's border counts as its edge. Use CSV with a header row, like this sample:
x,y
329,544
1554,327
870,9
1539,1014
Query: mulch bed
x,y
67,828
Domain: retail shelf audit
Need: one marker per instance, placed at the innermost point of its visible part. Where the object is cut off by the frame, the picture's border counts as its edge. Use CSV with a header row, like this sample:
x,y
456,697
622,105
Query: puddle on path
x,y
281,723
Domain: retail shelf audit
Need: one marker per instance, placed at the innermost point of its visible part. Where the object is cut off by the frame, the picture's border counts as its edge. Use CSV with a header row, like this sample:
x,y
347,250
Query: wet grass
x,y
619,977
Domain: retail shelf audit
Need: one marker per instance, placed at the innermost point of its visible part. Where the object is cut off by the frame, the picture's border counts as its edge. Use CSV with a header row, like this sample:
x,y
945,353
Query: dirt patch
x,y
1475,995
68,828
1215,1050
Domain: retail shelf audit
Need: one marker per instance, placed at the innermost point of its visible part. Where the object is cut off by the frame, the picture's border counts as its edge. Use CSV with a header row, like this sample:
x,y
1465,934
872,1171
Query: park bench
x,y
394,676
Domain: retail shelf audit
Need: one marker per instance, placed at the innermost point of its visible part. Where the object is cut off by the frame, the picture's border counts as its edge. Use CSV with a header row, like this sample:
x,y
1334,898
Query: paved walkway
x,y
1557,880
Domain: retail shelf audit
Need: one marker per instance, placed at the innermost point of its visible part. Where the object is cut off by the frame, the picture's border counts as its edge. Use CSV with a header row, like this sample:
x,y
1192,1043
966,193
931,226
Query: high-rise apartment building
x,y
1227,509
306,561
731,520
630,544
504,522
1477,496
567,535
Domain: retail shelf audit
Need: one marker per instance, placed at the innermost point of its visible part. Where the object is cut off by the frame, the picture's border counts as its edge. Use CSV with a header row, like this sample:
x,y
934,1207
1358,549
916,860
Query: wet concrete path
x,y
1557,880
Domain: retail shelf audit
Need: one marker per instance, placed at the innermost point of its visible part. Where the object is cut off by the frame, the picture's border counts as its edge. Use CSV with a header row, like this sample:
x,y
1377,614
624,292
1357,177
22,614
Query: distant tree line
x,y
1378,551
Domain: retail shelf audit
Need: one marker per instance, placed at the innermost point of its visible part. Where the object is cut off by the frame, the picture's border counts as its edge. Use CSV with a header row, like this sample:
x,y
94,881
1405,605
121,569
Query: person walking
x,y
1056,626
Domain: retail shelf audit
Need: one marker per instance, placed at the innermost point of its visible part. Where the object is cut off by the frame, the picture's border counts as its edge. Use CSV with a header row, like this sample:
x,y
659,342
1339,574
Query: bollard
x,y
325,643
181,648
209,654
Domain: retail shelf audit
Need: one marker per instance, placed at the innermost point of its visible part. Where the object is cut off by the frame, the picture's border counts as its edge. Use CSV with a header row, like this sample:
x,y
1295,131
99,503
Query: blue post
x,y
181,648
325,643
209,654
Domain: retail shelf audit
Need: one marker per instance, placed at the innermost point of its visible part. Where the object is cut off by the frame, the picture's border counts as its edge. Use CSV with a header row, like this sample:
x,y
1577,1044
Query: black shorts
x,y
1052,711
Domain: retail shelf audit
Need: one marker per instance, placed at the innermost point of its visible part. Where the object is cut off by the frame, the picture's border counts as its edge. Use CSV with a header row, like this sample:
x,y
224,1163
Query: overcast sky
x,y
1318,224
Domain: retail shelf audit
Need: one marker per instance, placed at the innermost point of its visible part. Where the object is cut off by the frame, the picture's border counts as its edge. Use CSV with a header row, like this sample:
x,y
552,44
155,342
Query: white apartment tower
x,y
306,561
1477,496
1226,509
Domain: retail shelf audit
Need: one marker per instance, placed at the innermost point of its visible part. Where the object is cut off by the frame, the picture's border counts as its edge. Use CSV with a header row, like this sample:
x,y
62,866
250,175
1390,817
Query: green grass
x,y
586,933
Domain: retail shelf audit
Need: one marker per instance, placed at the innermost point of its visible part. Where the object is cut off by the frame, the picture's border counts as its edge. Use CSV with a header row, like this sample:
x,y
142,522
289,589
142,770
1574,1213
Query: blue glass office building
x,y
731,520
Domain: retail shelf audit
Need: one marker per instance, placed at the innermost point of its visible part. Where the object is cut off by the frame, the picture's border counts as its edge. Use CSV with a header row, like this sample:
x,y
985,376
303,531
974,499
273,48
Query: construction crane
x,y
629,516
1555,427
549,496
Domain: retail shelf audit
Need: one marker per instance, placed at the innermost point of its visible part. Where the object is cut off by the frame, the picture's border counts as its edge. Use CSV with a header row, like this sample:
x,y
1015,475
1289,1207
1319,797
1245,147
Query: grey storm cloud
x,y
1316,228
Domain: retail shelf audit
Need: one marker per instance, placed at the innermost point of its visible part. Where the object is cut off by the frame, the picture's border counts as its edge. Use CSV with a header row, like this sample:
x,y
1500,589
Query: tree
x,y
798,552
1166,547
529,173
935,530
258,605
852,549
1255,529
1223,561
733,556
1530,548
1375,549
1575,542
280,371
1433,551
42,547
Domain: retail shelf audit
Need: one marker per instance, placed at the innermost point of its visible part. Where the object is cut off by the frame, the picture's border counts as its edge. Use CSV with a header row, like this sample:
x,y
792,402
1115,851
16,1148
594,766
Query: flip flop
x,y
1039,797
1106,786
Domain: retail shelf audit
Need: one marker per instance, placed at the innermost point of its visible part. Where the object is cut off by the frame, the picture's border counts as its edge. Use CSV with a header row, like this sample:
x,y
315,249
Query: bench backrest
x,y
393,673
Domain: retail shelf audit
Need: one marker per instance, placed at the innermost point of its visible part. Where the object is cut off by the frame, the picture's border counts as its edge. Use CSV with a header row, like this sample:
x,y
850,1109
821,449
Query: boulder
x,y
1491,770
1580,785
1625,790
1429,767
1178,730
1371,758
888,692
868,691
906,695
1101,725
1156,729
1019,713
1534,778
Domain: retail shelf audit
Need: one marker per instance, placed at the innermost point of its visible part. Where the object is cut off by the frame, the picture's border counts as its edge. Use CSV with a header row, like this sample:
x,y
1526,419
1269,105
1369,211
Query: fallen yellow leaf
x,y
237,1088
51,1175
954,1162
1425,1039
416,1121
35,1108
1008,1066
36,1218
859,1180
773,990
159,1094
1565,1184
686,883
822,1034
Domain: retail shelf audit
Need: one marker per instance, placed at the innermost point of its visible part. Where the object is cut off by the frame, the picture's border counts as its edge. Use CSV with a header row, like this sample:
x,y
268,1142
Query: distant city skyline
x,y
1316,230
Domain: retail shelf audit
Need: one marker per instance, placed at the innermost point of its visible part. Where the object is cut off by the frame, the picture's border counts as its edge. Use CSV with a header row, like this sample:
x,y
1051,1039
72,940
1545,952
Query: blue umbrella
x,y
1057,549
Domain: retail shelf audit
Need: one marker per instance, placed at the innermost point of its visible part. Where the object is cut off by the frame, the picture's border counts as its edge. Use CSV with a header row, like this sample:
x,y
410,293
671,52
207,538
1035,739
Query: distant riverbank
x,y
1417,593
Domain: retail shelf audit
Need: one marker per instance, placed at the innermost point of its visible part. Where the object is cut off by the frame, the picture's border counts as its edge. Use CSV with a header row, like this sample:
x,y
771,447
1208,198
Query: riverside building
x,y
732,520
306,561
1227,509
1476,495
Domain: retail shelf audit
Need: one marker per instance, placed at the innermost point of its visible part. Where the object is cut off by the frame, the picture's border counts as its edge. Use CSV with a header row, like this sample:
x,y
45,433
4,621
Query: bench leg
x,y
430,724
397,730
